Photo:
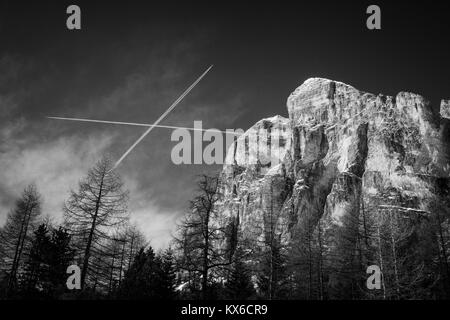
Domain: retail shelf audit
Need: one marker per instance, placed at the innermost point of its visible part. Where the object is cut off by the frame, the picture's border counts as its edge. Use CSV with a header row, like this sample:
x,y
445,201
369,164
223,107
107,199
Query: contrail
x,y
141,125
161,118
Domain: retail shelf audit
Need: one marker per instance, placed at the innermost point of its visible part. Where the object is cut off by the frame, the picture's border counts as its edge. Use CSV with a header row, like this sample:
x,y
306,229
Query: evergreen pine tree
x,y
44,273
60,256
239,286
167,275
36,267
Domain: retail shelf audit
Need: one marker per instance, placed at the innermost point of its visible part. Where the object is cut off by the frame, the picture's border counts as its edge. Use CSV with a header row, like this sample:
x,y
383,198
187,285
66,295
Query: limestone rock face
x,y
445,109
340,149
254,176
266,144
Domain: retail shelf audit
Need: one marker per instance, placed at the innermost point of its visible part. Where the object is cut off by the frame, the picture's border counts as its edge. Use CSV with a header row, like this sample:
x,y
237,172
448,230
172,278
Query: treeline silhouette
x,y
213,256
274,254
95,235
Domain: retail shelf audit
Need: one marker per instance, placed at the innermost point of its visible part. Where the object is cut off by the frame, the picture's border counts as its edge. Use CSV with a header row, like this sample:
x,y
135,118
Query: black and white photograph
x,y
235,152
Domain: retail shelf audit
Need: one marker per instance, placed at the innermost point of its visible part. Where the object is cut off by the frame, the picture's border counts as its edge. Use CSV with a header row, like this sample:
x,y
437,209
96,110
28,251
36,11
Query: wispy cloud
x,y
56,155
54,166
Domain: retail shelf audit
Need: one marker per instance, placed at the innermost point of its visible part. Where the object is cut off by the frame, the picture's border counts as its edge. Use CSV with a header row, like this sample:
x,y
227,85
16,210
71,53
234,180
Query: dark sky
x,y
133,58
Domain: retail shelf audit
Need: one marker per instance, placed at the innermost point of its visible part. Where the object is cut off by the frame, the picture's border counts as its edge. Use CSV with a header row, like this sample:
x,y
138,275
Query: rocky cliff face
x,y
340,151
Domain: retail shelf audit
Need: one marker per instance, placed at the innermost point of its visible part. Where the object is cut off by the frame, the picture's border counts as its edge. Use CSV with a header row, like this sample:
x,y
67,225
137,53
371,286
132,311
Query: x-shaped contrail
x,y
154,125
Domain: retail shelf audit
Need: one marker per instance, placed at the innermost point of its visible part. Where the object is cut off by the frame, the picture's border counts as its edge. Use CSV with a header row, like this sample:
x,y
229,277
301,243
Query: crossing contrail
x,y
142,125
154,125
161,118
151,126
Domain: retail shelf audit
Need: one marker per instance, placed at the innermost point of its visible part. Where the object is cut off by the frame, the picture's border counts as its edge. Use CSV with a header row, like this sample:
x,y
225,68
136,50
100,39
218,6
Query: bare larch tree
x,y
95,211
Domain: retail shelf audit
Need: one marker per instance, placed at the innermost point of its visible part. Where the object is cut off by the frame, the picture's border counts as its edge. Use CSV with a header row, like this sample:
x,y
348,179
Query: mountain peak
x,y
342,156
